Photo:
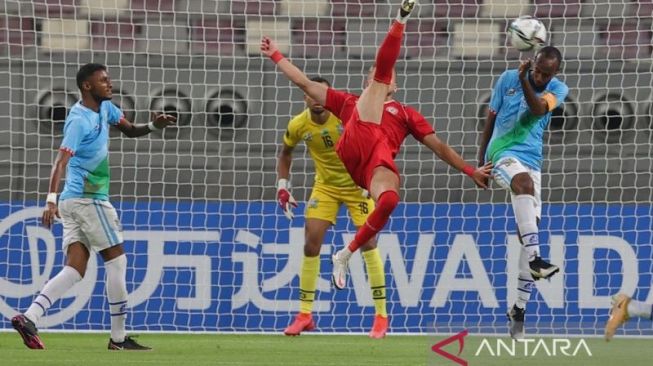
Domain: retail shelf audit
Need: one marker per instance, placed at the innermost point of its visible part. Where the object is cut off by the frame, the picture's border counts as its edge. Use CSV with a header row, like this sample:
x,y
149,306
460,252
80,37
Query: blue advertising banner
x,y
234,266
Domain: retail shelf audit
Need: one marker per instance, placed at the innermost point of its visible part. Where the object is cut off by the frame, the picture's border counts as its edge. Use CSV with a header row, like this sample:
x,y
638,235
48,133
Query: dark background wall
x,y
233,112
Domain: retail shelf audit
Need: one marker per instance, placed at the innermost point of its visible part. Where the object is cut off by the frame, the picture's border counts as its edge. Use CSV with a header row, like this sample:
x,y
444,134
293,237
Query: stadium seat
x,y
114,35
103,9
354,8
277,29
575,40
304,8
614,9
54,8
16,33
153,6
363,37
255,7
456,8
162,37
426,38
504,8
317,37
627,41
641,8
203,7
474,39
64,34
216,36
557,8
10,7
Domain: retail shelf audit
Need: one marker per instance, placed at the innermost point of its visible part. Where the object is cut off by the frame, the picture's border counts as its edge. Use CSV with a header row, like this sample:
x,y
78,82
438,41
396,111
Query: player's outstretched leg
x,y
27,331
129,344
386,203
370,103
384,186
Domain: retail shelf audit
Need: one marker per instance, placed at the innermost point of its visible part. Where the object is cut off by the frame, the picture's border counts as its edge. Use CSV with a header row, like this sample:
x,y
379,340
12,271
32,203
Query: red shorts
x,y
362,147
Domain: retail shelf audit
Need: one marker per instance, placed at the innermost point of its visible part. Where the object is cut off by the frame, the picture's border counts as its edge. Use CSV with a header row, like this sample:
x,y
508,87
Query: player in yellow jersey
x,y
320,131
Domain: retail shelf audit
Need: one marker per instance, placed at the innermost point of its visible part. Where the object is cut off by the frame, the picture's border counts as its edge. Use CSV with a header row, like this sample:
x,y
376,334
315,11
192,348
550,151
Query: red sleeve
x,y
335,100
418,126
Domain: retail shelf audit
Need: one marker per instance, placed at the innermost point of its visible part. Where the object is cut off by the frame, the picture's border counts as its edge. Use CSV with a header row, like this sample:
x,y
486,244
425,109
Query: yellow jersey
x,y
321,142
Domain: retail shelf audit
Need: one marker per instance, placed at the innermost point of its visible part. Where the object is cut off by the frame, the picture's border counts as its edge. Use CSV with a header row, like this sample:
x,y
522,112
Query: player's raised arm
x,y
314,89
159,122
479,175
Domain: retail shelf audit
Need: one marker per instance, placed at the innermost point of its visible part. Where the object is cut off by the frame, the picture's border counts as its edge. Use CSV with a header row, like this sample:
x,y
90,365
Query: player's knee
x,y
522,183
388,201
312,249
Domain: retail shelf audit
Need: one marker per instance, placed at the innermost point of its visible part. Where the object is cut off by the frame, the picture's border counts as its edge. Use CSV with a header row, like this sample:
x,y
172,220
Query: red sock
x,y
388,53
377,219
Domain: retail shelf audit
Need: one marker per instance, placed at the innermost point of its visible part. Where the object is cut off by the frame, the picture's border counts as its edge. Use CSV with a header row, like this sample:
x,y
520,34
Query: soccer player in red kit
x,y
375,127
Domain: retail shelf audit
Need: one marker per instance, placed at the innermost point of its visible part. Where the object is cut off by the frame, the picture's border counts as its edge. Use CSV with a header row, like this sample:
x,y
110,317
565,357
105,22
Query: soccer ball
x,y
527,33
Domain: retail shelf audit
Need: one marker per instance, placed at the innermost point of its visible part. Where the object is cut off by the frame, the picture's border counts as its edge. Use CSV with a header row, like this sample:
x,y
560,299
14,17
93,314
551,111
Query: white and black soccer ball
x,y
527,33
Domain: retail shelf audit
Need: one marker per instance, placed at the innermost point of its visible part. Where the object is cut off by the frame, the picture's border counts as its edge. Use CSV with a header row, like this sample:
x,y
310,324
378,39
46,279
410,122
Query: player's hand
x,y
482,175
50,212
524,67
286,200
268,46
162,120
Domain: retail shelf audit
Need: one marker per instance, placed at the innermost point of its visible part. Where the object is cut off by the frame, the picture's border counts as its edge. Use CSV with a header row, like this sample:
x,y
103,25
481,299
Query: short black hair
x,y
551,52
320,79
86,71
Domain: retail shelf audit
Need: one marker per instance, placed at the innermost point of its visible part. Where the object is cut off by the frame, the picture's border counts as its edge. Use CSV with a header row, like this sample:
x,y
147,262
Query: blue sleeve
x,y
498,92
114,113
74,132
560,90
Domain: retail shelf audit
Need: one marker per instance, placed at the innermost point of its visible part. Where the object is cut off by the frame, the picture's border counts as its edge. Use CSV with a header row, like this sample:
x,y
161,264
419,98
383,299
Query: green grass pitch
x,y
69,349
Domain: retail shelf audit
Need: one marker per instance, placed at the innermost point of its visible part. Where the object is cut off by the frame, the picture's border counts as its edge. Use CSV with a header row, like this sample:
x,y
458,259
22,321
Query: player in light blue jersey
x,y
89,220
519,112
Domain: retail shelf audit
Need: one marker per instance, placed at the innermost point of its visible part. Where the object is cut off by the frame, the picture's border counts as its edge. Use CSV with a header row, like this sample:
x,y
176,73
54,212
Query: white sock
x,y
526,217
525,282
640,309
117,293
52,291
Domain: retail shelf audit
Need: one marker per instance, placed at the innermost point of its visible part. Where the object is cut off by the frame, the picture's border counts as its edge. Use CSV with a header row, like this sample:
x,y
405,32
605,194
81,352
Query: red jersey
x,y
365,145
397,122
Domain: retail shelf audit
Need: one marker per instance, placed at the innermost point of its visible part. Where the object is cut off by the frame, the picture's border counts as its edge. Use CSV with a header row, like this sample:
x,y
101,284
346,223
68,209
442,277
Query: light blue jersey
x,y
86,137
517,133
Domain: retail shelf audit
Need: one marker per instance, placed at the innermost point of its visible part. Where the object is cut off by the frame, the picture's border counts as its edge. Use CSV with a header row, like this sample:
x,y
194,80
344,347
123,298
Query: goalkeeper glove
x,y
285,199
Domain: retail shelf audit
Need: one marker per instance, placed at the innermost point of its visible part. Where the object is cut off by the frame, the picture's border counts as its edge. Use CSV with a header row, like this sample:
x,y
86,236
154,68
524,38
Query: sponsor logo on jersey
x,y
392,110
